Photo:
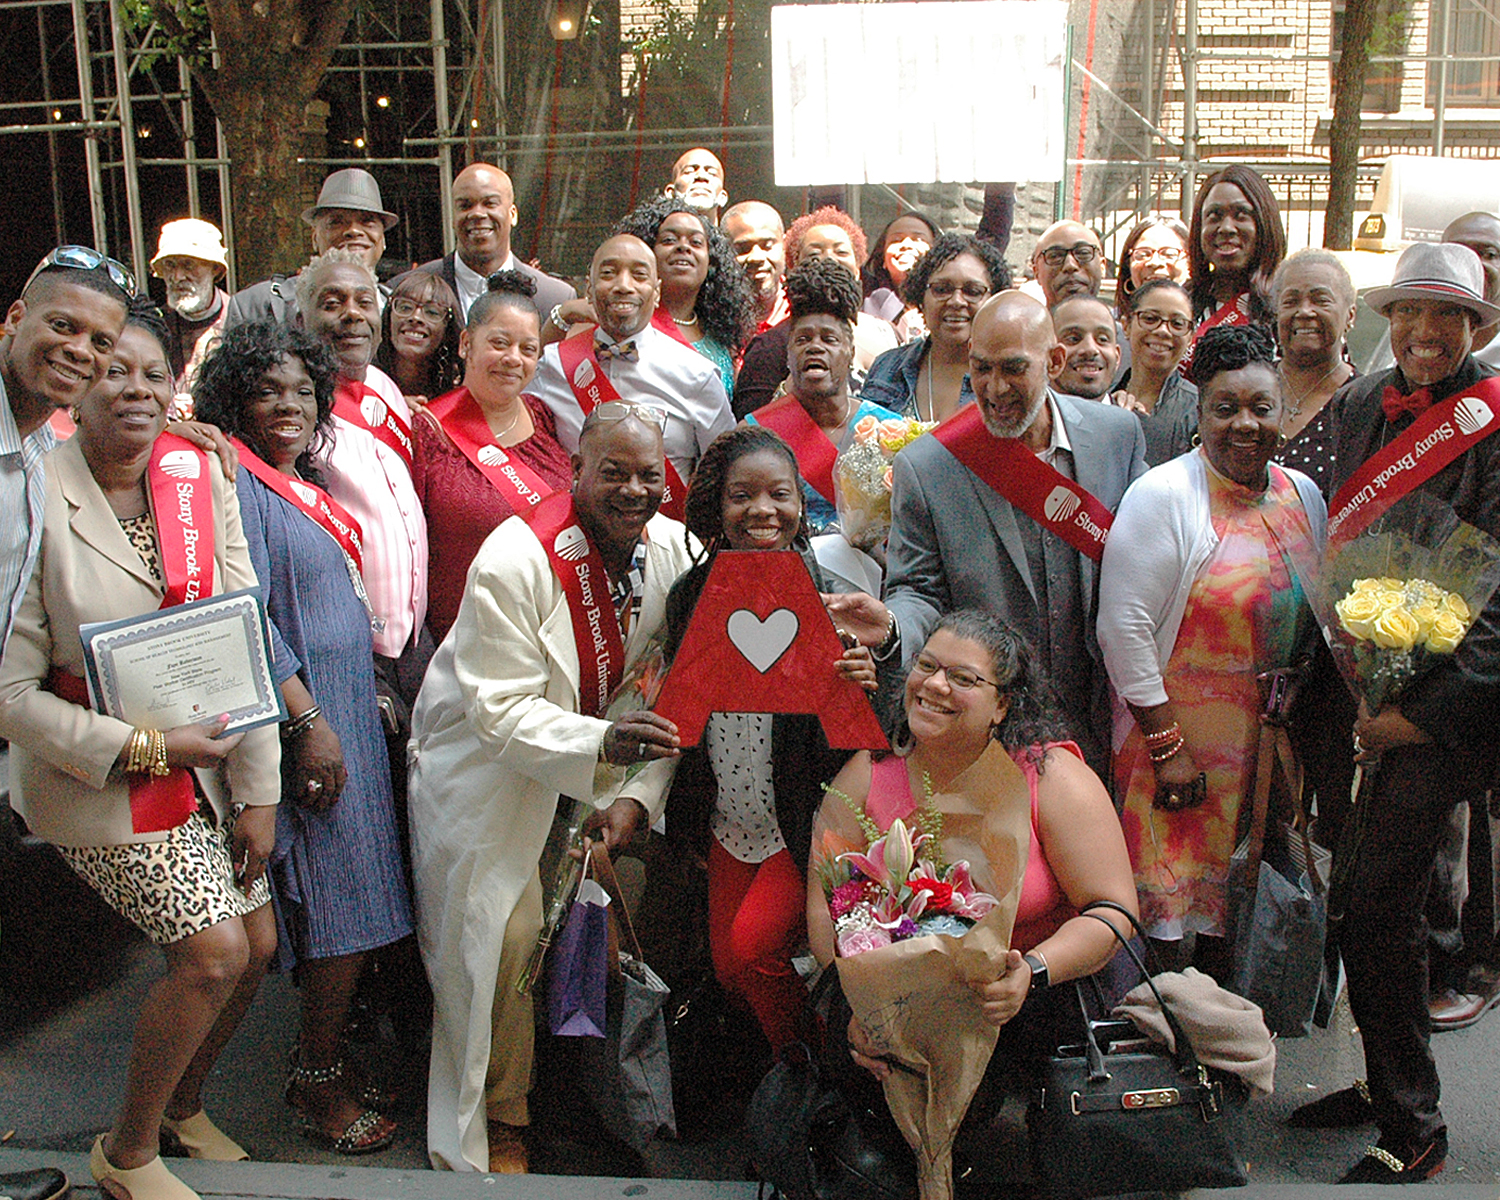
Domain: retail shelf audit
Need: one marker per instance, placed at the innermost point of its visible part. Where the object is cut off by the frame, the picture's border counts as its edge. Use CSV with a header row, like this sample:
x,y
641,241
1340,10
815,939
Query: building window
x,y
1476,30
1391,36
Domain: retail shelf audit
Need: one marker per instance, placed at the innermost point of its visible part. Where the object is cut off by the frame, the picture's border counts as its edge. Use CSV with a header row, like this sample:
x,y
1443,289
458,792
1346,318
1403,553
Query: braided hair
x,y
1230,348
823,285
704,507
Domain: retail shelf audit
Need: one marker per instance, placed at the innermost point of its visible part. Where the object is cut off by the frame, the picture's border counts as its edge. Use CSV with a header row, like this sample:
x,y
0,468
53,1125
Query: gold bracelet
x,y
159,765
135,752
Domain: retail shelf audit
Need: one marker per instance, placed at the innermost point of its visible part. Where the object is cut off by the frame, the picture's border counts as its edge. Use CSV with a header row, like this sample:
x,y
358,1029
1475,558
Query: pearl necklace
x,y
692,320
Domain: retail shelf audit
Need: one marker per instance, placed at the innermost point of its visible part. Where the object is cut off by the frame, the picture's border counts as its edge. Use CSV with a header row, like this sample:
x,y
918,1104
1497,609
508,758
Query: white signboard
x,y
936,91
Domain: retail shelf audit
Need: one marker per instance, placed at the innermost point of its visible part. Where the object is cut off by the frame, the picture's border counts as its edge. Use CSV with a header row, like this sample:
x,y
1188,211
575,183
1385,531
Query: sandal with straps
x,y
367,1133
359,1085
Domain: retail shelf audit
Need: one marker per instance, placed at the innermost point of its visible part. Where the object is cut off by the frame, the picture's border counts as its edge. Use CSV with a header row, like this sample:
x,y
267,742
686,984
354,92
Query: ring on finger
x,y
315,785
640,749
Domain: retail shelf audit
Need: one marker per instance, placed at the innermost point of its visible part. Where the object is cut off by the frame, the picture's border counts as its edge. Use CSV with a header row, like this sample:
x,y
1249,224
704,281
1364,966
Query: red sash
x,y
662,320
815,452
1042,492
1234,312
591,387
579,568
463,421
1430,443
385,423
312,502
182,497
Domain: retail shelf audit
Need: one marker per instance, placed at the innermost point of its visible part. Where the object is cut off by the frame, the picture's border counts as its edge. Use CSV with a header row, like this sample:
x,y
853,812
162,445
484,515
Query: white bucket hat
x,y
1437,271
191,238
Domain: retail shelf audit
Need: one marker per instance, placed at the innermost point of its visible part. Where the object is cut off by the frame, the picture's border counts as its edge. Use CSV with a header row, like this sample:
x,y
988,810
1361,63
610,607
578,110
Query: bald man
x,y
698,179
1069,261
640,363
758,236
962,533
484,213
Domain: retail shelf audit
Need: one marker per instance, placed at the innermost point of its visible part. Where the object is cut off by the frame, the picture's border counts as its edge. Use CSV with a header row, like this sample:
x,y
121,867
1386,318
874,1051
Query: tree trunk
x,y
263,134
1344,133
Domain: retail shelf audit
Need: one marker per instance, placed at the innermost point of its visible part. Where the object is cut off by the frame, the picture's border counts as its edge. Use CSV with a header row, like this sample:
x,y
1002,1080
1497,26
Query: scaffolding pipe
x,y
1189,106
440,113
90,143
1440,101
127,143
189,136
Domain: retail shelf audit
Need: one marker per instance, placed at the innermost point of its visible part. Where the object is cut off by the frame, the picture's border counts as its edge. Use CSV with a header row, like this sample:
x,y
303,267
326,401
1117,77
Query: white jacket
x,y
496,739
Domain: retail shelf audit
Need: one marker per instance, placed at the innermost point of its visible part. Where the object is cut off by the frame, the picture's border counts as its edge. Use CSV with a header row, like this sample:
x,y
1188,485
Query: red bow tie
x,y
1413,405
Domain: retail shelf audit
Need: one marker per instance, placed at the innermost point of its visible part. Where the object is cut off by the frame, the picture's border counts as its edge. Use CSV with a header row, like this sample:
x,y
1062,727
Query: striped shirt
x,y
23,496
373,483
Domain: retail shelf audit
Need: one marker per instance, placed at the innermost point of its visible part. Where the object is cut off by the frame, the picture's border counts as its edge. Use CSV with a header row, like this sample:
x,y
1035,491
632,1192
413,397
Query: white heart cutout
x,y
762,642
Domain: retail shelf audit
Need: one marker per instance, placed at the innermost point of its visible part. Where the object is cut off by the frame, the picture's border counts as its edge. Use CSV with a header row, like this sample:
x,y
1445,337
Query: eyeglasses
x,y
961,678
405,306
1168,254
84,258
1055,256
619,410
1150,320
942,289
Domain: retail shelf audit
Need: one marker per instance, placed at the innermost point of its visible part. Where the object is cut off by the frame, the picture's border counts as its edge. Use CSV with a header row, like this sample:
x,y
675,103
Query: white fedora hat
x,y
1437,271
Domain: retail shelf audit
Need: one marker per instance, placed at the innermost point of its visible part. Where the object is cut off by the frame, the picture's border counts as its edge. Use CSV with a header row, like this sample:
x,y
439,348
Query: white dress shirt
x,y
669,375
472,285
373,482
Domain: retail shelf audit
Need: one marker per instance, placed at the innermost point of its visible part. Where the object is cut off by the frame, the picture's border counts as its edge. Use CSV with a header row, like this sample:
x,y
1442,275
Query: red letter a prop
x,y
760,641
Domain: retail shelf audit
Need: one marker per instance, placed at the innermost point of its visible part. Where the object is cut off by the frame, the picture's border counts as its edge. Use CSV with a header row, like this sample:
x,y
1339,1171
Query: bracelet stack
x,y
888,643
147,753
301,723
1165,743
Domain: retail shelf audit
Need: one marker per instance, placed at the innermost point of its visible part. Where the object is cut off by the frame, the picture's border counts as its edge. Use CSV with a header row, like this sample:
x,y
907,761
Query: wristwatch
x,y
1039,974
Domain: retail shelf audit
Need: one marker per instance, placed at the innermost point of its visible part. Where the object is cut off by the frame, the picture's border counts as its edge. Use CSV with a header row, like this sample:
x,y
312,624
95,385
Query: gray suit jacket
x,y
550,290
955,543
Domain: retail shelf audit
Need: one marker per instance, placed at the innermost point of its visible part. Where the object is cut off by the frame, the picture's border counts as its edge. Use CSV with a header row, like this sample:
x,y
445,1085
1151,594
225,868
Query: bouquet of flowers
x,y
915,937
862,477
1398,599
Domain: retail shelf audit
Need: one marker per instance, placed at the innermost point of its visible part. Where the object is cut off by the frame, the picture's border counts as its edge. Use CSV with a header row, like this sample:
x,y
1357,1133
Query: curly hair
x,y
1125,285
874,273
948,247
227,382
1033,717
726,302
445,370
827,215
1270,240
821,285
1230,348
338,254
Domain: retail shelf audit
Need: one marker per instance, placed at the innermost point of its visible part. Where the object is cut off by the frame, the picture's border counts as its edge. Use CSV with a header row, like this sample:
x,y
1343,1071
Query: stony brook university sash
x,y
815,453
579,568
322,510
1235,312
1444,432
464,422
181,488
1018,476
364,408
591,386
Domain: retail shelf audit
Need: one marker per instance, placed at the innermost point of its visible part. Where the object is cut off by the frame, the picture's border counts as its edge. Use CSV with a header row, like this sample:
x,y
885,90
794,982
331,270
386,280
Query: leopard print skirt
x,y
171,889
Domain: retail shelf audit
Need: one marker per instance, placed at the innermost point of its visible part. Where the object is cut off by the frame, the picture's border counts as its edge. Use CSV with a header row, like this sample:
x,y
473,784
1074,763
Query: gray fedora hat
x,y
354,189
1437,271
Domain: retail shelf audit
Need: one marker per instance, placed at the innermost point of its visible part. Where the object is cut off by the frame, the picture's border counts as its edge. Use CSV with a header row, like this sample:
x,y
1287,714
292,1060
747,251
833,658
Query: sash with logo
x,y
591,386
579,568
815,453
181,487
1235,312
364,408
464,422
1039,490
321,509
1441,434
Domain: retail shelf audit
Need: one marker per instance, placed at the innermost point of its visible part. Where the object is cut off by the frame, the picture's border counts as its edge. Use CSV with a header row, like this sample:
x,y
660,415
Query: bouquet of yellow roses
x,y
862,477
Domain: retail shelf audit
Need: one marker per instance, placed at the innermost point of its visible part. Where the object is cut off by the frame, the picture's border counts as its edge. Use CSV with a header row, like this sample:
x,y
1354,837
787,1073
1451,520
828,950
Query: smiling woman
x,y
419,332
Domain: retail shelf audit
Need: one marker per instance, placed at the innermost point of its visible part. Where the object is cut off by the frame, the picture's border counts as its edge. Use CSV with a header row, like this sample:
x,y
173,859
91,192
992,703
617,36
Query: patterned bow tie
x,y
1413,405
621,351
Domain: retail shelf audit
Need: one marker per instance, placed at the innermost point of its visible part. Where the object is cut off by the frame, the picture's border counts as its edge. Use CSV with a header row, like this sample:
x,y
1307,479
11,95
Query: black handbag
x,y
1119,1113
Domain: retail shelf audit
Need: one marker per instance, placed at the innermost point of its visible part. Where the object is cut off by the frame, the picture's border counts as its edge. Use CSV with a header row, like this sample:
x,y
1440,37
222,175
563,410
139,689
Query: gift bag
x,y
627,1073
580,967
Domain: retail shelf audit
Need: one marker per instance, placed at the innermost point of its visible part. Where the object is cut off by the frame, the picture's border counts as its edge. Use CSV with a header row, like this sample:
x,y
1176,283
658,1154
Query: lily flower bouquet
x,y
922,916
862,477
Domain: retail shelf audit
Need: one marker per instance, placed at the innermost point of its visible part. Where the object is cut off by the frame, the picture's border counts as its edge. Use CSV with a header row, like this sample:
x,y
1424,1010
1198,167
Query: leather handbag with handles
x,y
1120,1113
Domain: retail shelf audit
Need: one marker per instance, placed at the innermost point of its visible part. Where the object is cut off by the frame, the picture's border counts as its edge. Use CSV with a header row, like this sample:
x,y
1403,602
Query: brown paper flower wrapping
x,y
916,998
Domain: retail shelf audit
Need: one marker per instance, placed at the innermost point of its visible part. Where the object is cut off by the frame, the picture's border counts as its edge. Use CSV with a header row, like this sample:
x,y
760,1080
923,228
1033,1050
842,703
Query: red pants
x,y
757,919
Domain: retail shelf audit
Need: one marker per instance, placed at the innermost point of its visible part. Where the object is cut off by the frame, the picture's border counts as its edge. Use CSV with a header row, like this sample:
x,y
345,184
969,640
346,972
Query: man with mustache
x,y
1003,509
514,715
190,260
484,214
1090,340
698,179
756,232
349,215
627,356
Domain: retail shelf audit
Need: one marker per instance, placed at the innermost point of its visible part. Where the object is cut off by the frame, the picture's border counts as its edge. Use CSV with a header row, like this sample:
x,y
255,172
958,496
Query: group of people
x,y
476,502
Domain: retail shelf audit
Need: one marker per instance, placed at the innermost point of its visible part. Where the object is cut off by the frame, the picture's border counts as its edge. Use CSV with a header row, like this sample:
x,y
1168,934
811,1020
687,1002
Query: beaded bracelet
x,y
1166,752
1163,737
159,764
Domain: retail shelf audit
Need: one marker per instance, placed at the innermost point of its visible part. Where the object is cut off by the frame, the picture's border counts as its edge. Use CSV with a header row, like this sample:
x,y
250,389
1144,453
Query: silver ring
x,y
315,785
1359,746
640,749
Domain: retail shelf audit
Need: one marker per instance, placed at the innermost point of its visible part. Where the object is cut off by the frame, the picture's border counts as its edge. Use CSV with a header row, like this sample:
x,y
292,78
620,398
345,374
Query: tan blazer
x,y
62,755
